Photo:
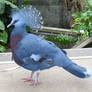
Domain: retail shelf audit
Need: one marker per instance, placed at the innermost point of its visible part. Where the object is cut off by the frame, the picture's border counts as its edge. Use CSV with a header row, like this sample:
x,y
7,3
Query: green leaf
x,y
2,26
12,5
14,1
28,29
3,37
89,3
76,15
2,48
26,2
84,14
8,3
2,7
2,1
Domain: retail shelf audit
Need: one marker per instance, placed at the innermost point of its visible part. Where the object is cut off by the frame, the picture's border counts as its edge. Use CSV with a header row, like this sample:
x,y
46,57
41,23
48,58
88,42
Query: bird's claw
x,y
28,79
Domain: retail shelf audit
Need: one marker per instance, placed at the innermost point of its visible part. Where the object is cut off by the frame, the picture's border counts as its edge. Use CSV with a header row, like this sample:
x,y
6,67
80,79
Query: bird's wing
x,y
34,47
37,52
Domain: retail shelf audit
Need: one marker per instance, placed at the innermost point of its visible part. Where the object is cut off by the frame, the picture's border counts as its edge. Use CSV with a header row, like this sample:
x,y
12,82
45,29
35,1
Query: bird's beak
x,y
12,22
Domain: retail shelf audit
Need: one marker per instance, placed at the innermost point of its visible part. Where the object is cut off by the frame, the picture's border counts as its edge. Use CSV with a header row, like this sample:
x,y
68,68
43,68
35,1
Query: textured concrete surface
x,y
54,12
52,80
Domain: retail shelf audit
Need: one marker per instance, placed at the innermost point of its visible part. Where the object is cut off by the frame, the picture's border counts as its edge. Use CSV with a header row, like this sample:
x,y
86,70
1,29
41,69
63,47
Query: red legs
x,y
36,82
29,78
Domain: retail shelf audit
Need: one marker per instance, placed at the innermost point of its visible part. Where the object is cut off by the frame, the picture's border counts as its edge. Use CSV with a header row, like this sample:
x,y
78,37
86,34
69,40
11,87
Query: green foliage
x,y
3,2
28,29
88,4
5,7
3,40
63,39
3,37
27,2
83,20
2,7
2,26
2,48
10,4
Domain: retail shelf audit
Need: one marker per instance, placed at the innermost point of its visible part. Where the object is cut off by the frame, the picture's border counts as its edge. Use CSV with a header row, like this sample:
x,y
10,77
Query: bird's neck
x,y
17,35
19,30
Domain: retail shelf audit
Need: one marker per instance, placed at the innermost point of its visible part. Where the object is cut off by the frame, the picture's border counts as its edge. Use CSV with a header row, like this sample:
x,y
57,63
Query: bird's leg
x,y
36,82
29,78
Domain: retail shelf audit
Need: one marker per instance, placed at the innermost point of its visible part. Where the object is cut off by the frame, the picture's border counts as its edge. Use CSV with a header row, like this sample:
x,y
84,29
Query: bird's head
x,y
13,22
16,20
28,16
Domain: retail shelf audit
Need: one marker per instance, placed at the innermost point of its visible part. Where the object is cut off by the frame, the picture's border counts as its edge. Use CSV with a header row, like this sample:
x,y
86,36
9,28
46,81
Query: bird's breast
x,y
14,41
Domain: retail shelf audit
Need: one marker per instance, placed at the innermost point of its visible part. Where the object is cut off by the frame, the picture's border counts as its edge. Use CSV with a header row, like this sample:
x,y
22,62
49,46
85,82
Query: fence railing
x,y
51,31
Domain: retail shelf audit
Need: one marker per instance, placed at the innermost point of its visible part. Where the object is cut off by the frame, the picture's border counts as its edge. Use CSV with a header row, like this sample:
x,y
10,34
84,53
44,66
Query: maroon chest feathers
x,y
15,40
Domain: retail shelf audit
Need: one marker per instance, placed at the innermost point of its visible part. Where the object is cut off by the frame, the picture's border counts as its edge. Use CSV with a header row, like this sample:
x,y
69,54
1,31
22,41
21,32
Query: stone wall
x,y
53,12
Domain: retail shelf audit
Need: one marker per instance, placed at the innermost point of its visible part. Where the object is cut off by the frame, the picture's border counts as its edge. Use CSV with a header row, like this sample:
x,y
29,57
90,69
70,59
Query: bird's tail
x,y
78,71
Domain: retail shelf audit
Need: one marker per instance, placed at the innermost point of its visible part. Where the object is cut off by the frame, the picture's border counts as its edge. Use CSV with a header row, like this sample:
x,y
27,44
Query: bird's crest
x,y
30,16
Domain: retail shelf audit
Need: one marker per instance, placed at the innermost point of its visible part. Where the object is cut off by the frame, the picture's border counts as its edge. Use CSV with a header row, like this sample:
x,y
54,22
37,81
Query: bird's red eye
x,y
15,21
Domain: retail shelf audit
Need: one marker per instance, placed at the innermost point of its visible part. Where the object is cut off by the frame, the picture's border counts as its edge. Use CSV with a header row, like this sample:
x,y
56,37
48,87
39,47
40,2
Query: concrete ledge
x,y
5,56
74,54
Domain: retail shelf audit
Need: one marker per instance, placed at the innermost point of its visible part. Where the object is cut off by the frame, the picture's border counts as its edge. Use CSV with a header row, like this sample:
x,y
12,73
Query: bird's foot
x,y
34,83
28,79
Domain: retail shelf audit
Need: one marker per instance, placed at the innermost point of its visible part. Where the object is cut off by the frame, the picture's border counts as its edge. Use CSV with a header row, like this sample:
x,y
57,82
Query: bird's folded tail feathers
x,y
78,71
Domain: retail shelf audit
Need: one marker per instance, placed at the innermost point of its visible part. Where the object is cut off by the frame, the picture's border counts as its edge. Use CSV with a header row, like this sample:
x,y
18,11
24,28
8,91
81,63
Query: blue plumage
x,y
35,53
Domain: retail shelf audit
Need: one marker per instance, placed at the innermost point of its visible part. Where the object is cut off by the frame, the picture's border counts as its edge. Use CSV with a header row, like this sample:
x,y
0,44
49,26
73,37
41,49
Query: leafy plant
x,y
4,18
63,39
2,27
27,2
83,19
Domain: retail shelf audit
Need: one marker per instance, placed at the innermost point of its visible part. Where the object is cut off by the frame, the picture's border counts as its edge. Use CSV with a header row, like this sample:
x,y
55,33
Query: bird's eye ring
x,y
15,21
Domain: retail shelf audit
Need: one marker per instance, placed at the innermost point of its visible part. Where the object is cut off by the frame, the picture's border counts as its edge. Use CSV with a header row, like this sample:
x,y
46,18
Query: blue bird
x,y
34,52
